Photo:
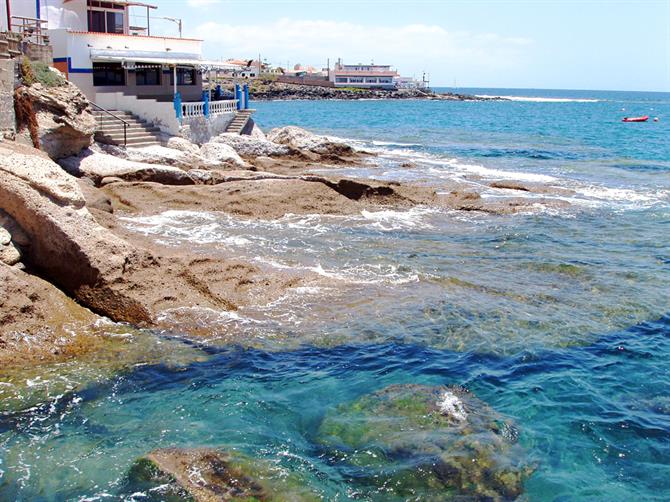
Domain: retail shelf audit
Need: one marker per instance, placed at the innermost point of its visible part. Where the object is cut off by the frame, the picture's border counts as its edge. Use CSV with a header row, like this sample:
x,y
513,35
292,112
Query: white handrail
x,y
197,108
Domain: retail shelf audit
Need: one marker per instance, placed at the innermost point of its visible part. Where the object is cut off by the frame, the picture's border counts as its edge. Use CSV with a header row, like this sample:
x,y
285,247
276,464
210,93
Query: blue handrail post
x,y
238,96
246,96
177,106
205,107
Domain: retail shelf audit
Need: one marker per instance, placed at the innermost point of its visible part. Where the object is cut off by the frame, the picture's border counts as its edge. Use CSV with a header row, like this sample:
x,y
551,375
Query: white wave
x,y
487,172
534,99
451,406
624,194
390,219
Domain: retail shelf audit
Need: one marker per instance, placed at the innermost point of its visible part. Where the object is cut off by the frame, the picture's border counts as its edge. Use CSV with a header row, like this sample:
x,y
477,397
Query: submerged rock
x,y
427,443
209,475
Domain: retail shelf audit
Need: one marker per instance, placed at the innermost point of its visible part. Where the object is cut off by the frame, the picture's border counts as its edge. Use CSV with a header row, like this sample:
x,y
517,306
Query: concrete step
x,y
134,135
129,129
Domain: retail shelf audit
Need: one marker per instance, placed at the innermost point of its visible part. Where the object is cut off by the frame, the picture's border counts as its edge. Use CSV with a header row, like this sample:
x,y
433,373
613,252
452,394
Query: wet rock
x,y
510,185
209,475
33,315
222,153
252,146
97,166
301,139
427,443
65,122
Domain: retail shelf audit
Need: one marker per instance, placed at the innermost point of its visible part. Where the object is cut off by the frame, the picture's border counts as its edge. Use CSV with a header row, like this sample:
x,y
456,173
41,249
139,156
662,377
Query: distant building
x,y
244,68
362,75
409,83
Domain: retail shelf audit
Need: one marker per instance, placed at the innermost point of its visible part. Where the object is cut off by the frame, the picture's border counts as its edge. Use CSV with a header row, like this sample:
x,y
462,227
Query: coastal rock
x,y
182,144
95,199
221,476
421,442
101,270
256,132
65,122
97,166
250,146
222,153
301,139
37,321
9,254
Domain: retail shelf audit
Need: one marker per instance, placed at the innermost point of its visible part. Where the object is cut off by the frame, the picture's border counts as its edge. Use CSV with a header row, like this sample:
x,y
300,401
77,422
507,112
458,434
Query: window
x,y
114,22
96,21
108,74
105,17
371,80
356,80
148,75
185,76
341,80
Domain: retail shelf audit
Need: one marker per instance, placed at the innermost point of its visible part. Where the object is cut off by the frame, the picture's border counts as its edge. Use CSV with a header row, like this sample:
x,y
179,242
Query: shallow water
x,y
557,319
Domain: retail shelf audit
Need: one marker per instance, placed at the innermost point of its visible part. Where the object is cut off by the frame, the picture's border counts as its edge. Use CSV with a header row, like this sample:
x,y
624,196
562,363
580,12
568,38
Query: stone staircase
x,y
10,45
138,133
239,122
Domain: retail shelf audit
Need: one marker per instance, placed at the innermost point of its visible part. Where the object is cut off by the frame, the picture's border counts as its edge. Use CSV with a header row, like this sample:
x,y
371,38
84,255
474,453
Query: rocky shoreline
x,y
78,284
60,218
271,91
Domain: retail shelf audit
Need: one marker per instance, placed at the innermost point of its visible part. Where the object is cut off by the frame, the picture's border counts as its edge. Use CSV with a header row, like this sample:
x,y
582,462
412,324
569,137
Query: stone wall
x,y
7,82
200,129
37,52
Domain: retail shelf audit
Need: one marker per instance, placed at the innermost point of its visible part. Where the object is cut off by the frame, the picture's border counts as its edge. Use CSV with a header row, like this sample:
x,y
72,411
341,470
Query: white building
x,y
362,75
123,66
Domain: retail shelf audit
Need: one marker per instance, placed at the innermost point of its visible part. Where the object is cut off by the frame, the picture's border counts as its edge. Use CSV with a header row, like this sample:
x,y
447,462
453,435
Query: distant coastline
x,y
271,91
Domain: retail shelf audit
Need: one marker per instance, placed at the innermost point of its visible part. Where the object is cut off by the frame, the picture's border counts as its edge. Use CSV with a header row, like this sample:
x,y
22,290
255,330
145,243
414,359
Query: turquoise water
x,y
557,318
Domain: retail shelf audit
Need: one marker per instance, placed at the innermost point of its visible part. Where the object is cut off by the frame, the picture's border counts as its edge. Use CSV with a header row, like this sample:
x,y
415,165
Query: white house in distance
x,y
108,50
362,75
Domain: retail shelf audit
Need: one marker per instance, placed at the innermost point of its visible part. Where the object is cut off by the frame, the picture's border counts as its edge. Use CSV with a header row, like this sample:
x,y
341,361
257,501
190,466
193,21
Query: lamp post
x,y
175,20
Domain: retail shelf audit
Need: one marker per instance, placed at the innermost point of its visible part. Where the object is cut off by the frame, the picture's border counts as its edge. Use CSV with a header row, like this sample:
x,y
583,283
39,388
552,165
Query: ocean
x,y
557,318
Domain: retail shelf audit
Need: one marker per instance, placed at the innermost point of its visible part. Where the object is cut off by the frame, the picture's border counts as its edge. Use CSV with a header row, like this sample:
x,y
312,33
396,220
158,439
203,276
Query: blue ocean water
x,y
555,317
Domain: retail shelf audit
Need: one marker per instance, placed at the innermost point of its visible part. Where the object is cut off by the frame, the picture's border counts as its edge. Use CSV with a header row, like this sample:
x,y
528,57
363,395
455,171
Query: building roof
x,y
151,57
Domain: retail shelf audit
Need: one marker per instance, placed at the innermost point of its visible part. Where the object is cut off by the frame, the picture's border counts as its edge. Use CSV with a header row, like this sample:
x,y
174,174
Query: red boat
x,y
636,119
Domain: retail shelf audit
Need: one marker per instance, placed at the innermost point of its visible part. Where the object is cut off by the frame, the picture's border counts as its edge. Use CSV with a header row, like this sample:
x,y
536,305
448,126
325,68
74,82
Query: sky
x,y
551,44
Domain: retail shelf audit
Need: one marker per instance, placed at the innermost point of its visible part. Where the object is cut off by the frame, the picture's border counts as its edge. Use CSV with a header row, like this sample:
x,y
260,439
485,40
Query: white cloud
x,y
411,48
202,3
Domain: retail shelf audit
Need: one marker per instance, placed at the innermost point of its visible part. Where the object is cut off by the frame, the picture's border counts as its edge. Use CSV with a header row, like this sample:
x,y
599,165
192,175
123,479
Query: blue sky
x,y
569,44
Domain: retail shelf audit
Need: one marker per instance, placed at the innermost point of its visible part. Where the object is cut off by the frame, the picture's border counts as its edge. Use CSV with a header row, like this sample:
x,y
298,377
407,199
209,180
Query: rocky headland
x,y
268,90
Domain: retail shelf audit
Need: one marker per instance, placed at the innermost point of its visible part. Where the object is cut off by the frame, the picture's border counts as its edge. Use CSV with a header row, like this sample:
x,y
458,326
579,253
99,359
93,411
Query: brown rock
x,y
65,122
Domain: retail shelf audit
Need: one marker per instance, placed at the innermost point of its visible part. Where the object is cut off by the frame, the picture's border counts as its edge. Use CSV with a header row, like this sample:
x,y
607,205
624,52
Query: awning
x,y
163,58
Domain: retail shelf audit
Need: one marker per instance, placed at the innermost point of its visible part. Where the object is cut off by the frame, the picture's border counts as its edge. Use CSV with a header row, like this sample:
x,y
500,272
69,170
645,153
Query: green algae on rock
x,y
426,443
212,475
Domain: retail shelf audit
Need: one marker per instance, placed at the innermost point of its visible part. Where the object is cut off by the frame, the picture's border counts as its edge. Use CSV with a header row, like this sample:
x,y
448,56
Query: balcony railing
x,y
208,109
30,29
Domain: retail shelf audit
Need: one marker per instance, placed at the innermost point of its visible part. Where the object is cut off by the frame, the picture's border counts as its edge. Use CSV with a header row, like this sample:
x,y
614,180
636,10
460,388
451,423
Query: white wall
x,y
71,15
162,114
